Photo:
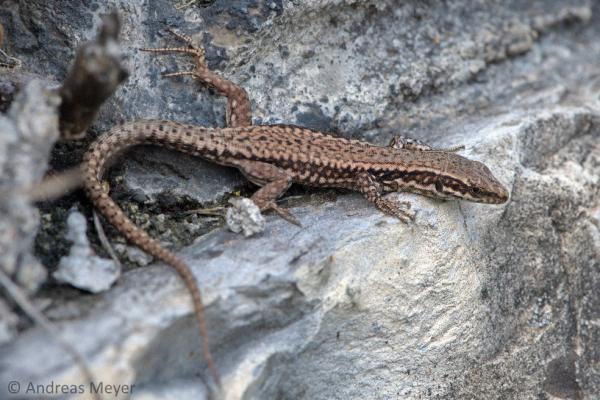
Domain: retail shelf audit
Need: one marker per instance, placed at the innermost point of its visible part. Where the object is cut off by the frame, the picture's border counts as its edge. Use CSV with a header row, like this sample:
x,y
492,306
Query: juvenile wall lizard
x,y
274,157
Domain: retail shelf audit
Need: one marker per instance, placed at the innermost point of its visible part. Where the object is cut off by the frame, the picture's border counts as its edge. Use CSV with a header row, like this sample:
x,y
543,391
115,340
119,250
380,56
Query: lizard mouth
x,y
498,195
501,197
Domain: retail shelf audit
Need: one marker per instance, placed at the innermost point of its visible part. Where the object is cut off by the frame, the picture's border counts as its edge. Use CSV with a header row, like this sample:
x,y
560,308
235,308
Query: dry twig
x,y
56,186
104,240
95,75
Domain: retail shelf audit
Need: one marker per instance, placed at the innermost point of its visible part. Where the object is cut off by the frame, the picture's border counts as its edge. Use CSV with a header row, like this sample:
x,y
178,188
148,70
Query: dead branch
x,y
55,186
95,75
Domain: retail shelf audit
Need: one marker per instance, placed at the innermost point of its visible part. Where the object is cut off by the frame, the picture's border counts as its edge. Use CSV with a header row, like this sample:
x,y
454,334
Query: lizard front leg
x,y
239,110
273,180
371,189
402,142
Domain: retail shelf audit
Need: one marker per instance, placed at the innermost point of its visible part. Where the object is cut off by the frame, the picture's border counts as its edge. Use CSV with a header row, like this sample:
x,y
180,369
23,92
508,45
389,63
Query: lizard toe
x,y
285,214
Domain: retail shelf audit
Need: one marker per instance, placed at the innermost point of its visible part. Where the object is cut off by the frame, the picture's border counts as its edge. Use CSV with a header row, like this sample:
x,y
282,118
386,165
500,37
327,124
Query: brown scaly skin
x,y
274,157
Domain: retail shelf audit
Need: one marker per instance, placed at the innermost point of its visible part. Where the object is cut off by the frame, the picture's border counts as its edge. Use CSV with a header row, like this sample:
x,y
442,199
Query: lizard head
x,y
478,184
447,176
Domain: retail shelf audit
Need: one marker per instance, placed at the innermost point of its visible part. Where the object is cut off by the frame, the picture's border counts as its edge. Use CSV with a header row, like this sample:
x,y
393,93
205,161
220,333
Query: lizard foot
x,y
192,48
398,209
401,142
283,213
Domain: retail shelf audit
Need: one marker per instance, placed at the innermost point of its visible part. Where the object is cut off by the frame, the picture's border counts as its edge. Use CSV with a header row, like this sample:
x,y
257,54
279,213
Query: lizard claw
x,y
184,38
283,213
398,209
192,48
402,142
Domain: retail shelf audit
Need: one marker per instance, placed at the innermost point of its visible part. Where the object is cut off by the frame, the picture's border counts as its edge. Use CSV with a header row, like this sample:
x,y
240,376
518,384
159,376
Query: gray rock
x,y
82,268
153,173
470,301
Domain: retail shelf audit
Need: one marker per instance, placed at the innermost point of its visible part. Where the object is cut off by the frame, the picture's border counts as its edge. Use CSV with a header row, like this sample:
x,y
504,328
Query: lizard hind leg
x,y
402,142
239,110
274,182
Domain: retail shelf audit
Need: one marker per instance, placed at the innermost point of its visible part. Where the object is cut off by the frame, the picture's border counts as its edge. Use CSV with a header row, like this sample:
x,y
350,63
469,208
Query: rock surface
x,y
470,301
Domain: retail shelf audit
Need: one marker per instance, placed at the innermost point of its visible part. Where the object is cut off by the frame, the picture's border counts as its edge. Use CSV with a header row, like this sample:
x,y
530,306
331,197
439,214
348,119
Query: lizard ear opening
x,y
439,187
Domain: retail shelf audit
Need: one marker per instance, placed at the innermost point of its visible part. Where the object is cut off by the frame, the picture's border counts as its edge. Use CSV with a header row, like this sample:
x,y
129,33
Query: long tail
x,y
94,164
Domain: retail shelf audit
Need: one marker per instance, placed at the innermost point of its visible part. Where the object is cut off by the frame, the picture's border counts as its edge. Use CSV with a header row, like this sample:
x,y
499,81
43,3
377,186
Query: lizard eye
x,y
476,191
439,187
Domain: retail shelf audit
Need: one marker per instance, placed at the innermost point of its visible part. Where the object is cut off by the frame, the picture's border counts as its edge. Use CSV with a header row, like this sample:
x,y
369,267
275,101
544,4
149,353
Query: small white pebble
x,y
244,216
82,268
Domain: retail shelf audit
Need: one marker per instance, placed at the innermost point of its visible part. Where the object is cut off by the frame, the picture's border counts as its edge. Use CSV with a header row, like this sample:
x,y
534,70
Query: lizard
x,y
275,156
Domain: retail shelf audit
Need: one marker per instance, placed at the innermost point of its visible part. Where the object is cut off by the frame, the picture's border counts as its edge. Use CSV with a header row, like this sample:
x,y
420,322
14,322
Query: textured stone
x,y
470,301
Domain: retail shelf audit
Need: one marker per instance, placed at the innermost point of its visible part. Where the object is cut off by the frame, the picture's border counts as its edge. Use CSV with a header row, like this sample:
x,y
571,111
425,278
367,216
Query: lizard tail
x,y
93,166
